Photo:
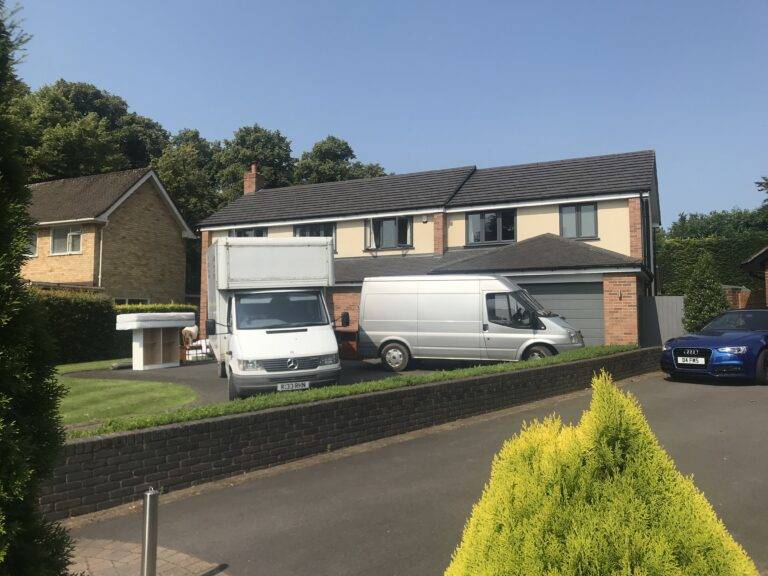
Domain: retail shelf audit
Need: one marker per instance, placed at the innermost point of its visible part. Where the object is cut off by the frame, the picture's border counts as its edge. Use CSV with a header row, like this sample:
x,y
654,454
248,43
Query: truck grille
x,y
282,364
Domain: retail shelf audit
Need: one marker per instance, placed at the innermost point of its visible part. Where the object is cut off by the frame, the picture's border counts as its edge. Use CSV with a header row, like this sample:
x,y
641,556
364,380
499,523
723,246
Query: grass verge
x,y
93,400
274,400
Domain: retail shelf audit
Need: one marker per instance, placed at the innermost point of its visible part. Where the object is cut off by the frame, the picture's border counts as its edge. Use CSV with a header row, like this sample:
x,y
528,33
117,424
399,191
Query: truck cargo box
x,y
257,263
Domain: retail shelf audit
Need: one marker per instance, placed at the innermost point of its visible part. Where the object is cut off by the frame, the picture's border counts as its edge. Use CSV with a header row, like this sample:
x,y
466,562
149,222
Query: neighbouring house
x,y
757,267
578,234
119,233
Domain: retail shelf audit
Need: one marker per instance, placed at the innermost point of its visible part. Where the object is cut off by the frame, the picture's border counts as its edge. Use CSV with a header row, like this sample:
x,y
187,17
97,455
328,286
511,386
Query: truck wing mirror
x,y
210,326
345,319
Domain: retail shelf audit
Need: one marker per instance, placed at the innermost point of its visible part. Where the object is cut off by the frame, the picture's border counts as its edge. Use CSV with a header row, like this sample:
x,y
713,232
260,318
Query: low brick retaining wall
x,y
101,472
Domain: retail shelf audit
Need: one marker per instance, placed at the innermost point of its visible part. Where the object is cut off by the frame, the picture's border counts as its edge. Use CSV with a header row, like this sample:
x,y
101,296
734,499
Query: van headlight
x,y
733,349
251,365
329,359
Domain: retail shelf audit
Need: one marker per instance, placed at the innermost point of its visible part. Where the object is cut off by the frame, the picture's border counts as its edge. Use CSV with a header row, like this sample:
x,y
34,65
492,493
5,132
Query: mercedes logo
x,y
292,364
691,351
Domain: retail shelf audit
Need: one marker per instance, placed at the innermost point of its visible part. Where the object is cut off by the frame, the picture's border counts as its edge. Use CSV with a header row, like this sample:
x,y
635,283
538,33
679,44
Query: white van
x,y
268,323
461,317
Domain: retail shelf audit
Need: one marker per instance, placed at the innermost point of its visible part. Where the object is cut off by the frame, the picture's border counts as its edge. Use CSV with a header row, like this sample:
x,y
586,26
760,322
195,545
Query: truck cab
x,y
268,323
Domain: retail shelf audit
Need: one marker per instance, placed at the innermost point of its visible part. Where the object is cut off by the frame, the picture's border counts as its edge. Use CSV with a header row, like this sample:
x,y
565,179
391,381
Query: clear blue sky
x,y
423,85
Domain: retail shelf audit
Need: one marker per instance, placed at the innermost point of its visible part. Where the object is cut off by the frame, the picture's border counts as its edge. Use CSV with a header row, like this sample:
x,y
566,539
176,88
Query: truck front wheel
x,y
222,370
233,395
395,356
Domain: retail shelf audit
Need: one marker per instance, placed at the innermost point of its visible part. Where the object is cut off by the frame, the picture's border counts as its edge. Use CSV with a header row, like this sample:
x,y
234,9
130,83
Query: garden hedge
x,y
677,257
602,497
82,324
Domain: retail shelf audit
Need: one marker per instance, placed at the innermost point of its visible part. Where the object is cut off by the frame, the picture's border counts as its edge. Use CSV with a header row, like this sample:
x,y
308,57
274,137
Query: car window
x,y
505,309
741,320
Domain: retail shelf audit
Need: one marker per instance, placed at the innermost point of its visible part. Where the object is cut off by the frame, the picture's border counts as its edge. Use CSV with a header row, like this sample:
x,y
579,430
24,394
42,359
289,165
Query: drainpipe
x,y
101,249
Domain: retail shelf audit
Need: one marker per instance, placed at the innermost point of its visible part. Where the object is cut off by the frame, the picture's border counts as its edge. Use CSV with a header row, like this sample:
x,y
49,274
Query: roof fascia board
x,y
559,271
327,219
186,232
554,201
71,221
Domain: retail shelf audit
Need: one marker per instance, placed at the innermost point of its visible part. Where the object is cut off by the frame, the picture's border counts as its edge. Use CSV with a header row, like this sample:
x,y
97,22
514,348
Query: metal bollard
x,y
149,538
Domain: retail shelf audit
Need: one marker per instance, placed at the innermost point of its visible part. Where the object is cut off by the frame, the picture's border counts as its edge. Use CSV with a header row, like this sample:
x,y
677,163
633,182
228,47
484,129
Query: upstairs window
x,y
578,221
321,230
66,239
32,243
396,232
248,233
492,226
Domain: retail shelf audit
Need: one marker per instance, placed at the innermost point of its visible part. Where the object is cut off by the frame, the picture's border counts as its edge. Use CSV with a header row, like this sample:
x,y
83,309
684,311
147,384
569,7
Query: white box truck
x,y
268,322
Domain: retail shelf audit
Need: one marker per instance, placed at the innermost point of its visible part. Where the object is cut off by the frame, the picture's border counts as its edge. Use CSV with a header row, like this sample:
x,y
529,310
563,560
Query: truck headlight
x,y
733,349
251,365
329,359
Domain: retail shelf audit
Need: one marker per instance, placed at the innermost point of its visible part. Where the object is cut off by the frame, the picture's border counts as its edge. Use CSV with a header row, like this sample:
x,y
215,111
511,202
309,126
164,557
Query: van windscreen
x,y
262,310
530,303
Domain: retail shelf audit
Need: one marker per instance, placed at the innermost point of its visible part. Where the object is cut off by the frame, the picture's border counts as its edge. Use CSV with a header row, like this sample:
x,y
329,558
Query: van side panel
x,y
450,320
388,311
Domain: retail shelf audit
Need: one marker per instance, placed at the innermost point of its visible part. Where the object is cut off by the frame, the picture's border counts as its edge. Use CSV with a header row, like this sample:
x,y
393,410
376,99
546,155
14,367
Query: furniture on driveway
x,y
155,337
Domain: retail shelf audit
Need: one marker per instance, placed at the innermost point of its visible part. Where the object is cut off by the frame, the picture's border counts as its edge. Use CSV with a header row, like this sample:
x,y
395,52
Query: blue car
x,y
733,345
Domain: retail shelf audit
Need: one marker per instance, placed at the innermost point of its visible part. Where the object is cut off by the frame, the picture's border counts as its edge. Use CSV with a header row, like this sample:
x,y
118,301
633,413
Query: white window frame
x,y
233,232
125,301
370,238
32,253
71,232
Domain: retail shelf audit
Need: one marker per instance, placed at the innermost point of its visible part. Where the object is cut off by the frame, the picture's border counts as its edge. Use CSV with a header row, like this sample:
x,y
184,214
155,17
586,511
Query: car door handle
x,y
485,327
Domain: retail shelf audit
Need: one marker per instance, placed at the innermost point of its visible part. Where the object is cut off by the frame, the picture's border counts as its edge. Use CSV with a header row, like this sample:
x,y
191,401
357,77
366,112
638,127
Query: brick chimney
x,y
252,180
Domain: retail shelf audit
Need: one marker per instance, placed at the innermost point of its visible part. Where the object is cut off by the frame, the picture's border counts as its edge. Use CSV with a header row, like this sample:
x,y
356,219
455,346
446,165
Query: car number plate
x,y
691,360
285,386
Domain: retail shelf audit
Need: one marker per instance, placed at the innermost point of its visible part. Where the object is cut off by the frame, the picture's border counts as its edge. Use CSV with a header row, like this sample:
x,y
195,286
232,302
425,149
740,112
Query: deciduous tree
x,y
331,160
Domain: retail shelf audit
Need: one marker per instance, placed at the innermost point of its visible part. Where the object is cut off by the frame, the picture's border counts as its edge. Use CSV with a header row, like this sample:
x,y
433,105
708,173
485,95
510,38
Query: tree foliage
x,y
74,128
720,223
331,160
30,429
269,149
601,498
704,296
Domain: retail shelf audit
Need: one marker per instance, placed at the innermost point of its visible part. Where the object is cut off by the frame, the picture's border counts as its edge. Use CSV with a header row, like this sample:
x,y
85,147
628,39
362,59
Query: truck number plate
x,y
691,360
285,386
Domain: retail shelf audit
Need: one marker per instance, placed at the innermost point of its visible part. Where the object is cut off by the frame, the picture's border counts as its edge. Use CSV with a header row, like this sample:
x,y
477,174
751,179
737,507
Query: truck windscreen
x,y
264,310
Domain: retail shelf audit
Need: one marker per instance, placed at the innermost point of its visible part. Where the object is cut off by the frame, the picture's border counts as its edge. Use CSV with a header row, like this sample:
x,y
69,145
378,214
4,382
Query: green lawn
x,y
93,400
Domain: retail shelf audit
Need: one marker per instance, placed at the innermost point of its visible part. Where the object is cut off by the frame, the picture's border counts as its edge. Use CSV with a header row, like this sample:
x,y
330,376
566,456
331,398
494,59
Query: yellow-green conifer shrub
x,y
600,498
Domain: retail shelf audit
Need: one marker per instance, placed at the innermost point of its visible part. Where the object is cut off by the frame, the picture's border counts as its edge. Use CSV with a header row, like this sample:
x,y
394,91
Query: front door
x,y
506,327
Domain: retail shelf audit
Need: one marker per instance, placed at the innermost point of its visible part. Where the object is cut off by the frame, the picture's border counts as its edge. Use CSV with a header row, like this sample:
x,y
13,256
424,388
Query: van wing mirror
x,y
344,319
210,326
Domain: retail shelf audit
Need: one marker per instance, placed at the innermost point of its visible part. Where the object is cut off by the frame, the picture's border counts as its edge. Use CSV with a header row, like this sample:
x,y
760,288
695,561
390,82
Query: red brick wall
x,y
620,308
205,242
635,229
342,299
441,243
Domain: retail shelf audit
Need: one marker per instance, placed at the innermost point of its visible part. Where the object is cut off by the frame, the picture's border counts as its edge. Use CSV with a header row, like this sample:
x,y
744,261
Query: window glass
x,y
59,240
248,233
521,314
32,244
279,310
507,225
74,239
475,228
498,308
491,226
587,220
568,221
321,230
391,232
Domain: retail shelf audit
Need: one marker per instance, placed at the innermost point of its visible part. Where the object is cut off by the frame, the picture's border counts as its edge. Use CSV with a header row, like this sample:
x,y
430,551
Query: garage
x,y
581,303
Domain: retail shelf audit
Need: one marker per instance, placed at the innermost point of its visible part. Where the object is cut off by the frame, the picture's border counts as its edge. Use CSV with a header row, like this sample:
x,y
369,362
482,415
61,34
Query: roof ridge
x,y
87,176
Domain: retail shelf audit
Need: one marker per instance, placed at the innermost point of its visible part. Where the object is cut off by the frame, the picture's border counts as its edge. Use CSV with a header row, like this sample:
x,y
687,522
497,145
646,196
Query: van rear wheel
x,y
395,356
536,352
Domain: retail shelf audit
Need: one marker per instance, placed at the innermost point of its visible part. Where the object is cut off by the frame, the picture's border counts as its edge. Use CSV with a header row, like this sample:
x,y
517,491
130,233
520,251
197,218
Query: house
x,y
118,232
757,267
578,234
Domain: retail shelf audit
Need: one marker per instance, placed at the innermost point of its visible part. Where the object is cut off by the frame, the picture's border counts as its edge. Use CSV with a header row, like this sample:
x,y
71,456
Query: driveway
x,y
203,377
398,506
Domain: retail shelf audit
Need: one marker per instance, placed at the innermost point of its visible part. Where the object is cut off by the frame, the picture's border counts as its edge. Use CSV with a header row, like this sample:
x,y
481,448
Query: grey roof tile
x,y
614,173
84,197
544,252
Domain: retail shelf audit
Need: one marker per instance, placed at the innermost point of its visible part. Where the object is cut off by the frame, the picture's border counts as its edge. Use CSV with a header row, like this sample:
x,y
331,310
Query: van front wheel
x,y
536,352
395,356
